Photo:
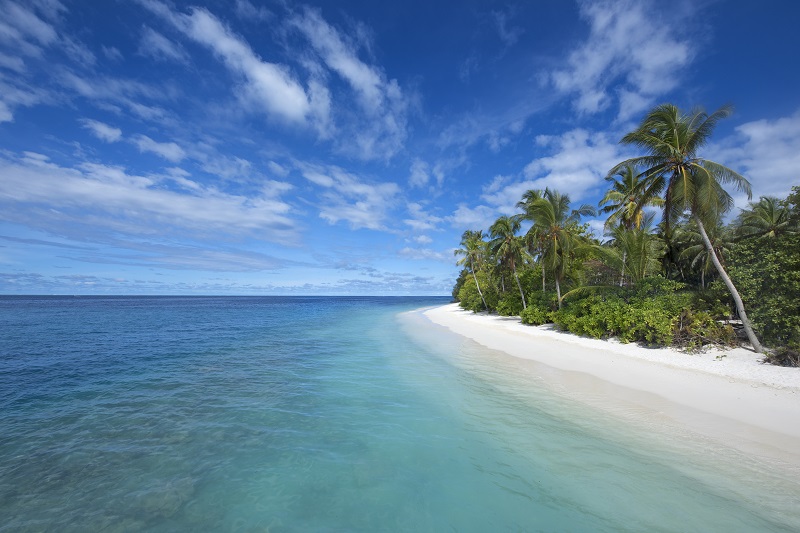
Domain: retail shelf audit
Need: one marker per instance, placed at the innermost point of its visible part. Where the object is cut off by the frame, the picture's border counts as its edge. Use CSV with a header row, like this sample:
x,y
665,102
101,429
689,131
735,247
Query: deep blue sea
x,y
327,414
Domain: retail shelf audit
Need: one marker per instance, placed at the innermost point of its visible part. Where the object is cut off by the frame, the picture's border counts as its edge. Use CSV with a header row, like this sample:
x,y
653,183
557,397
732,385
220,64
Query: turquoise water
x,y
327,414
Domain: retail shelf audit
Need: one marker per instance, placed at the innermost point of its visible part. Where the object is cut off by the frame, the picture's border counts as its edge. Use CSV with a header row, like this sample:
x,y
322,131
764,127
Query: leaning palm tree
x,y
721,243
766,219
626,199
508,247
558,228
473,252
691,184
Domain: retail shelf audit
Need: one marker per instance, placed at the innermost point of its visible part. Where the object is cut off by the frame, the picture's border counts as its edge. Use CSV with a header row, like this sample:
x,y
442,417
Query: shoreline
x,y
726,395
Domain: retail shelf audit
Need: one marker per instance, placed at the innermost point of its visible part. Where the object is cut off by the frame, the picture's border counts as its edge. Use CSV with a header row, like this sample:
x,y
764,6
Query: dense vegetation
x,y
684,281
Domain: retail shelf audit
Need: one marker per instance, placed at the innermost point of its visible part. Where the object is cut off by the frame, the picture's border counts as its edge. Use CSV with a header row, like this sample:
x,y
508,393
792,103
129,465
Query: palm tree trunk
x,y
543,278
558,292
478,285
748,328
622,276
519,286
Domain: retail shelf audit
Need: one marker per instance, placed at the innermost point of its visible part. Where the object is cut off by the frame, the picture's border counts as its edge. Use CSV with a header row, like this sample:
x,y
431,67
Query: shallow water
x,y
328,414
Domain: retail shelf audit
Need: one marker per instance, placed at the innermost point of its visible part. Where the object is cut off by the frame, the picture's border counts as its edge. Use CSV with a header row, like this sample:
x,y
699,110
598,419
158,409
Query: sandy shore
x,y
726,395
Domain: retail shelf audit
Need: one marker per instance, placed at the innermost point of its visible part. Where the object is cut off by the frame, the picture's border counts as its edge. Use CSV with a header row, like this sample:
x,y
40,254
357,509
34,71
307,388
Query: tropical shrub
x,y
510,304
536,316
768,274
470,299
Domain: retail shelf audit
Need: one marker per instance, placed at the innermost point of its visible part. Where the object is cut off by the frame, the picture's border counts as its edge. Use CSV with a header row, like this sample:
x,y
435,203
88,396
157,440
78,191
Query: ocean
x,y
328,414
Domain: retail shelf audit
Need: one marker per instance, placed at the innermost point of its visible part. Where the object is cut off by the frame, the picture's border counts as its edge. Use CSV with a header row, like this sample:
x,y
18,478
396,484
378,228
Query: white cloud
x,y
277,169
5,113
421,220
12,63
419,173
766,152
345,197
509,35
425,254
248,12
383,132
630,43
112,53
100,198
158,47
169,151
102,131
475,218
423,239
578,163
270,86
29,24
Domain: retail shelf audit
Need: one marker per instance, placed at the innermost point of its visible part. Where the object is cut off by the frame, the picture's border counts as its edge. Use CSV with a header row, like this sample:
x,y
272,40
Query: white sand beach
x,y
726,395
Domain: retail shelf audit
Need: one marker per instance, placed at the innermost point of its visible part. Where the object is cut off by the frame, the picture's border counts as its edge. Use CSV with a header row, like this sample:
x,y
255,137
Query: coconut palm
x,y
766,219
626,199
637,250
721,243
473,251
691,184
559,231
534,238
507,247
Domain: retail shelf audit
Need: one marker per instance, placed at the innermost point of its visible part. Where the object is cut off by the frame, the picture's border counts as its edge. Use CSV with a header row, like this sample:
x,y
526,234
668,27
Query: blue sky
x,y
247,147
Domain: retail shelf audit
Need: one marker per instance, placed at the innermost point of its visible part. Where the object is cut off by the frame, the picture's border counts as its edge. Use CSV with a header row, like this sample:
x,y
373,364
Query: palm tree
x,y
534,239
473,251
721,242
559,231
508,247
766,219
625,200
691,183
637,249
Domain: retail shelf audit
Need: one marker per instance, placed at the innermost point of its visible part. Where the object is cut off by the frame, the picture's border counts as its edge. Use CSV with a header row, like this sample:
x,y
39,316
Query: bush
x,y
655,312
470,299
535,315
694,329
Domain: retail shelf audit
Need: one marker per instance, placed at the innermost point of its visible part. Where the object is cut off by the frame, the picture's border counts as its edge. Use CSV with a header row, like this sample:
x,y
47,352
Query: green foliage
x,y
540,308
470,299
462,277
535,315
768,277
510,304
656,311
694,329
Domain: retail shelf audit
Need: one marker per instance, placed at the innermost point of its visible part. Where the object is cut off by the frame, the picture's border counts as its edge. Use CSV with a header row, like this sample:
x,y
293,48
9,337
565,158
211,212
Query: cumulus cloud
x,y
421,220
575,163
766,152
102,131
475,218
631,44
169,150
